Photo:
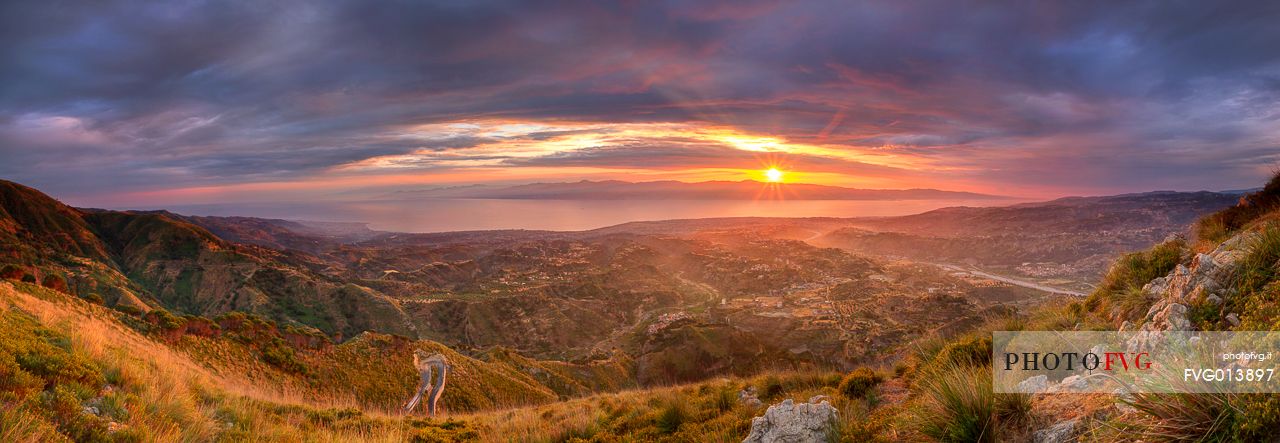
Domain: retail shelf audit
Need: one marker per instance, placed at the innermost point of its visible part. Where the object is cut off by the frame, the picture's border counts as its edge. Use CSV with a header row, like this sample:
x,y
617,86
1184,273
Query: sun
x,y
773,175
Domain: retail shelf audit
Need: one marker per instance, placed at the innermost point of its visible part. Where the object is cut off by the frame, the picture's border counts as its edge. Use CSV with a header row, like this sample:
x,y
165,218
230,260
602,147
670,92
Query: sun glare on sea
x,y
773,175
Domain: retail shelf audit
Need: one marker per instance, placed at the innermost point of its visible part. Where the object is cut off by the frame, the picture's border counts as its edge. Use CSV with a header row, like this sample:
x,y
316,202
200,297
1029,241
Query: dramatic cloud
x,y
105,99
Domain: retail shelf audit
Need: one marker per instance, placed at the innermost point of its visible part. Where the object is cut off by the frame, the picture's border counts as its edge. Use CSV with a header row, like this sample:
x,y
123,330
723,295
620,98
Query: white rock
x,y
1073,383
788,422
1206,277
1060,432
1032,385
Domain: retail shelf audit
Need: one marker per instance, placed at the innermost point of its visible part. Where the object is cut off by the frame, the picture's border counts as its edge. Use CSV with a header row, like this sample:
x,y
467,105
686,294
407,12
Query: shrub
x,y
200,326
1218,226
66,406
11,271
1211,230
165,320
28,278
1203,315
1133,271
55,282
973,350
859,382
247,328
127,309
169,326
16,384
1257,283
1260,265
772,387
1128,304
919,353
280,355
94,297
305,337
1257,417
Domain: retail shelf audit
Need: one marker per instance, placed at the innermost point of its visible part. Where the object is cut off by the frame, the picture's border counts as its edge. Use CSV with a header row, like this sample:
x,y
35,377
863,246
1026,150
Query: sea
x,y
442,215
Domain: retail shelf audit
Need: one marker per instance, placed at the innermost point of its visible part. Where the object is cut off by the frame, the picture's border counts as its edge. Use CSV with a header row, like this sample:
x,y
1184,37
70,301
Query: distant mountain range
x,y
670,189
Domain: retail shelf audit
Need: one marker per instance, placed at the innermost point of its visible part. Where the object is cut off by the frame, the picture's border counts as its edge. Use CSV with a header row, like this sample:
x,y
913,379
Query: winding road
x,y
1000,278
1012,281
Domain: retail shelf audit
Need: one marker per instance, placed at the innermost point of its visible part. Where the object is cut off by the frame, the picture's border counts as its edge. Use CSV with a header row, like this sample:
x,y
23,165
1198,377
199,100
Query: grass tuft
x,y
957,404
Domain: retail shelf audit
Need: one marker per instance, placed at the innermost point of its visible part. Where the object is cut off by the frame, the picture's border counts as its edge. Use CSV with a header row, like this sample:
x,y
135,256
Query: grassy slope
x,y
150,386
60,354
29,217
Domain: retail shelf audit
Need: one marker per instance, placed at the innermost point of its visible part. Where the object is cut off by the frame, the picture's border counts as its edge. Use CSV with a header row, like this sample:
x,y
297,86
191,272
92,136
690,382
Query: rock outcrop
x,y
1201,282
788,422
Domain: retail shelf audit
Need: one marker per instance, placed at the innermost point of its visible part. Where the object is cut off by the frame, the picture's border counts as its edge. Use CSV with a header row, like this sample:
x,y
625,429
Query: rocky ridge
x,y
1204,280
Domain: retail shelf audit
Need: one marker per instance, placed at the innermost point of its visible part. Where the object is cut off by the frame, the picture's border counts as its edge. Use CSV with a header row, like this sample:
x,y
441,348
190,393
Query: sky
x,y
122,103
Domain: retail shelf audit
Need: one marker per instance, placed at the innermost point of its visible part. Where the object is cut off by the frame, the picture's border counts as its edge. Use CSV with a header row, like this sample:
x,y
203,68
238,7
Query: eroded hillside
x,y
768,301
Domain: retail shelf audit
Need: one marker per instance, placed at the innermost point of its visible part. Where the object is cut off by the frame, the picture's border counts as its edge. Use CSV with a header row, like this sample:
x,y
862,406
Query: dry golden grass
x,y
176,398
223,396
638,414
21,426
162,379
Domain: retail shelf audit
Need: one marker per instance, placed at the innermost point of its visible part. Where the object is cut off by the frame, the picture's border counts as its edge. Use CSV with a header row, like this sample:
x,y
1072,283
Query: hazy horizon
x,y
226,205
453,215
406,211
434,214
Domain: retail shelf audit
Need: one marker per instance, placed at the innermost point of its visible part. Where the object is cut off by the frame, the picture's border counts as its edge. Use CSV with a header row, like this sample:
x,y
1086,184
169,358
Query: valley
x,y
333,311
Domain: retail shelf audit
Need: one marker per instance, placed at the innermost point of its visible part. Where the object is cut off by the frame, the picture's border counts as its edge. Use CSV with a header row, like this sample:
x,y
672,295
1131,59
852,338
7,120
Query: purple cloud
x,y
128,96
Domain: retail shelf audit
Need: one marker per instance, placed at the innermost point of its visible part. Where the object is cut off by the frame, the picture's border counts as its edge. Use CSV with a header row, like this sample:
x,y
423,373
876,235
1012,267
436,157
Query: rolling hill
x,y
127,325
